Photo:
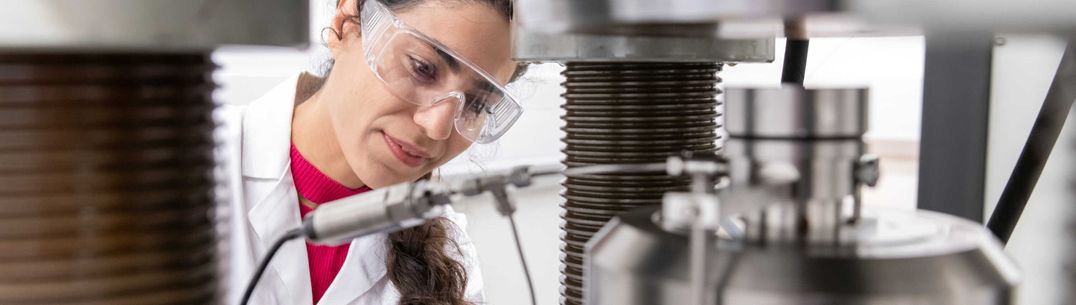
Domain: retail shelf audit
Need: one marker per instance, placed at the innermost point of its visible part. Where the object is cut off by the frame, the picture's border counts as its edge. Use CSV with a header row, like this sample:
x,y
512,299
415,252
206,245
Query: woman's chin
x,y
391,175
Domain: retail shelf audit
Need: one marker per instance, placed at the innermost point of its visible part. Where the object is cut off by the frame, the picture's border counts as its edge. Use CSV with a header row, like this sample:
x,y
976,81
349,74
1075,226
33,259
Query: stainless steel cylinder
x,y
899,257
794,112
802,148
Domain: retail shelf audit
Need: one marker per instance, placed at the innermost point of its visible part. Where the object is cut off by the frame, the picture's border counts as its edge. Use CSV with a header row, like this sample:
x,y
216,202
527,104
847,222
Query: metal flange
x,y
150,25
539,46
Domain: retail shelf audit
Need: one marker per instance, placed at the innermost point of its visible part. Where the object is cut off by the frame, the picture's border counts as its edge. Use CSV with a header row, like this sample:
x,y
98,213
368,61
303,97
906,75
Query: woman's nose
x,y
437,120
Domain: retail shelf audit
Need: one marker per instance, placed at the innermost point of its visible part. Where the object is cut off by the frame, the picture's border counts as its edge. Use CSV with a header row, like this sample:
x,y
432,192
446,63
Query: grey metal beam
x,y
956,113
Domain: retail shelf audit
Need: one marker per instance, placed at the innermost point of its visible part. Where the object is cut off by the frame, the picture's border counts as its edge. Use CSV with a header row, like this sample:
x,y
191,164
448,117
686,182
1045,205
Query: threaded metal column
x,y
105,186
622,113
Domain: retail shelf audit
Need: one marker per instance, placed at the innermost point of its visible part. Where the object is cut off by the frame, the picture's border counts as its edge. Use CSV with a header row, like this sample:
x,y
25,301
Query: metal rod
x,y
1036,152
699,242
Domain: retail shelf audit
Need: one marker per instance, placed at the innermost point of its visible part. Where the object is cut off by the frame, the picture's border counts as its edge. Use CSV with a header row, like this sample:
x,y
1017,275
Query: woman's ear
x,y
346,12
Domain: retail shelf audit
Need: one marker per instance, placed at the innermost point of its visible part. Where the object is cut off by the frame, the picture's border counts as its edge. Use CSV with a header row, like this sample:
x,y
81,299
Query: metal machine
x,y
106,151
106,145
798,233
785,224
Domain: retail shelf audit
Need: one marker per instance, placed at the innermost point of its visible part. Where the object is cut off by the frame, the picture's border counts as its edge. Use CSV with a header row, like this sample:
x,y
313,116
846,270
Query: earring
x,y
324,39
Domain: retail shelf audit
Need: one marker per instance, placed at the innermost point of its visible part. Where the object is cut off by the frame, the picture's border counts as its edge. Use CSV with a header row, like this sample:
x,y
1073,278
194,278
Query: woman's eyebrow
x,y
483,86
449,59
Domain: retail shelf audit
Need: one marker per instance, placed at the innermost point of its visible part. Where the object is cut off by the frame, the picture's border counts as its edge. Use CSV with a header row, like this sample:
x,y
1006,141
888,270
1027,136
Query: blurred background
x,y
1022,66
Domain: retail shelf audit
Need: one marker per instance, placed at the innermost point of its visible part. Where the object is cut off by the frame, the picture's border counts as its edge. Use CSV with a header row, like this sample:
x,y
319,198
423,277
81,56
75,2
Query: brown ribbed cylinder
x,y
105,179
627,113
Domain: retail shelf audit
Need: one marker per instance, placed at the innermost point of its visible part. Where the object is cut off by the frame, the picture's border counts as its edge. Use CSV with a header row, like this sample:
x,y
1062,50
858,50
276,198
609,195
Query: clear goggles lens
x,y
420,70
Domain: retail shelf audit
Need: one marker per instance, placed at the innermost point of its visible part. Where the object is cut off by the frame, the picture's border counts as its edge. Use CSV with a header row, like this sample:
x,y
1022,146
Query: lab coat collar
x,y
363,268
266,146
272,216
266,152
267,132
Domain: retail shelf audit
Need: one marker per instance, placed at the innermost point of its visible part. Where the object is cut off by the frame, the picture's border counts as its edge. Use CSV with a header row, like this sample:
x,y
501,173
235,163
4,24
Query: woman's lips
x,y
402,153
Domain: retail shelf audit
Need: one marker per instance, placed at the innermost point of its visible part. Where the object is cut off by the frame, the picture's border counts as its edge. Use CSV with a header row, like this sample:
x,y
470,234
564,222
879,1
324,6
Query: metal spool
x,y
623,113
105,164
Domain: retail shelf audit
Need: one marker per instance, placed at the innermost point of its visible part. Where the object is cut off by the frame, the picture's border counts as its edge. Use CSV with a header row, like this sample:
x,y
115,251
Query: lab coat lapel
x,y
268,182
361,272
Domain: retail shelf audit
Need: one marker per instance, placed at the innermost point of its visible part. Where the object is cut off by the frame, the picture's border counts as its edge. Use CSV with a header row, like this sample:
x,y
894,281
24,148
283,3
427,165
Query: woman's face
x,y
386,140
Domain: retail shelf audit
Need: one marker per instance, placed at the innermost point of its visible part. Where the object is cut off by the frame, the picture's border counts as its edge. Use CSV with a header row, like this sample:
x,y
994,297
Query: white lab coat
x,y
263,204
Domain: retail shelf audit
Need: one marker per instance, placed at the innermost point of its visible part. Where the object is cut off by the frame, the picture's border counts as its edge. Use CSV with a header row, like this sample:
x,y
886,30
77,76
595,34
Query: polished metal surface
x,y
791,171
628,17
995,16
105,163
762,18
150,25
791,111
805,189
796,155
531,45
627,113
892,257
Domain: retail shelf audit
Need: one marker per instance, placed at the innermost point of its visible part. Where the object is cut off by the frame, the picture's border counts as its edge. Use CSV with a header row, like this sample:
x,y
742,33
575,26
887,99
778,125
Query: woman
x,y
413,84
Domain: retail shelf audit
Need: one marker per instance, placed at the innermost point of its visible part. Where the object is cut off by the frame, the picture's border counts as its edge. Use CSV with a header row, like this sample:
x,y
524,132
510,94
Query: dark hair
x,y
421,260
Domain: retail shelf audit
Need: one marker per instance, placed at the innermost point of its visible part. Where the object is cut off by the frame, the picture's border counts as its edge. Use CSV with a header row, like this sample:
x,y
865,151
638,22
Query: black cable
x,y
795,64
292,234
796,45
522,260
1040,142
603,169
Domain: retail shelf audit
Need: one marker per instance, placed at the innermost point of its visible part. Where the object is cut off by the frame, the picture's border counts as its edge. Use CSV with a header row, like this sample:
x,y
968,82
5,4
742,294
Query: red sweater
x,y
315,186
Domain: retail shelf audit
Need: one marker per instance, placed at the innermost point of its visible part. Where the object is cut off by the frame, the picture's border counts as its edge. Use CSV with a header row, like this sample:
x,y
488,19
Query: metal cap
x,y
537,46
795,112
151,25
648,17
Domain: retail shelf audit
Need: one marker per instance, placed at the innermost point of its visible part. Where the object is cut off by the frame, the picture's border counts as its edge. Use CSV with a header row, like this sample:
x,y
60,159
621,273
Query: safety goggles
x,y
420,70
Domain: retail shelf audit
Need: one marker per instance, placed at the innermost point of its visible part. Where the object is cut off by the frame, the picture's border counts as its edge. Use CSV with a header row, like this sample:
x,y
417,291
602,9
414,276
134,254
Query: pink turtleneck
x,y
315,186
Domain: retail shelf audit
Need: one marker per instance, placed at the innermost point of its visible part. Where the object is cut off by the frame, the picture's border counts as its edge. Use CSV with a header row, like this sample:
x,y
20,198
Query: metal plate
x,y
151,25
530,45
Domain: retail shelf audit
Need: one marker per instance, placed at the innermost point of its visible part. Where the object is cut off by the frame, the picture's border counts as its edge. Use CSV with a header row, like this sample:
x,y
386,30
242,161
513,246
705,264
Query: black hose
x,y
795,61
292,234
522,259
796,43
1036,151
